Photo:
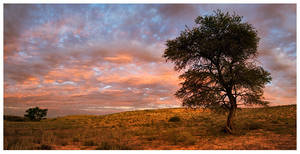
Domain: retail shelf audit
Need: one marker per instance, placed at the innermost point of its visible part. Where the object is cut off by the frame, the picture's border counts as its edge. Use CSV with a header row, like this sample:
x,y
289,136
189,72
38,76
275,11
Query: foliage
x,y
218,57
35,114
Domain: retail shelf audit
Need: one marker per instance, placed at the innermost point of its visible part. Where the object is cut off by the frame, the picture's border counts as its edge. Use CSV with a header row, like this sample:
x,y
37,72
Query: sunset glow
x,y
99,59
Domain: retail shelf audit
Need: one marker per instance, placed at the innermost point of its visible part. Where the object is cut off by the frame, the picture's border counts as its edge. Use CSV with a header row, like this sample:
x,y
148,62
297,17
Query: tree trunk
x,y
229,123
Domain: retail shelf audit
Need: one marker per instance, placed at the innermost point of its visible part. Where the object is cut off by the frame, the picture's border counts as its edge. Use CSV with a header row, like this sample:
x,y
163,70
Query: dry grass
x,y
259,128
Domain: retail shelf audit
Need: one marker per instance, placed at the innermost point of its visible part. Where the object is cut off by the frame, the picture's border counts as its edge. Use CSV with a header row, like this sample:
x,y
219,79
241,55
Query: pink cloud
x,y
98,59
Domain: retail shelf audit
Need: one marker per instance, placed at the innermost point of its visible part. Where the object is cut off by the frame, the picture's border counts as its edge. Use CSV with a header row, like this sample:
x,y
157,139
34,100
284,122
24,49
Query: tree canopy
x,y
36,114
218,56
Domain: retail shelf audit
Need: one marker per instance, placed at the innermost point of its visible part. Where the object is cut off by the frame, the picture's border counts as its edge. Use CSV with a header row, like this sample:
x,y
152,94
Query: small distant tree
x,y
218,57
35,114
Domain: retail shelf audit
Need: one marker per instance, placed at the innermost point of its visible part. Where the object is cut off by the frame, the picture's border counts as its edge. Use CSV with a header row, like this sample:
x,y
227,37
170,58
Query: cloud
x,y
107,58
119,59
177,10
283,71
276,26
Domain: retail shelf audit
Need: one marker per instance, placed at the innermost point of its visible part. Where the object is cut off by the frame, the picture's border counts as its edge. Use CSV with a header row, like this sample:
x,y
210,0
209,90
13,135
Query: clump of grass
x,y
177,137
174,119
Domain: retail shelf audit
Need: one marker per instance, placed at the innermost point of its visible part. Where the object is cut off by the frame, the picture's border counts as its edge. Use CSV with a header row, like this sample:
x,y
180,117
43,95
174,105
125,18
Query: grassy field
x,y
257,128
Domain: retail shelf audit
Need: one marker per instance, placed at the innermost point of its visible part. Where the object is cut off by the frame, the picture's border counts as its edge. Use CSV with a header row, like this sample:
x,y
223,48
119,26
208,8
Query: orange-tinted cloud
x,y
119,59
96,59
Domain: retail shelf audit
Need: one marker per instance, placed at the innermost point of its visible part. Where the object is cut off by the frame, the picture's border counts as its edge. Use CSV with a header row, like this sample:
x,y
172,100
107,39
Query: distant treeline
x,y
14,118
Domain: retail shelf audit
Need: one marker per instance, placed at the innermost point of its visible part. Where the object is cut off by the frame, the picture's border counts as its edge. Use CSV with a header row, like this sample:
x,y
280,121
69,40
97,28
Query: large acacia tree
x,y
217,57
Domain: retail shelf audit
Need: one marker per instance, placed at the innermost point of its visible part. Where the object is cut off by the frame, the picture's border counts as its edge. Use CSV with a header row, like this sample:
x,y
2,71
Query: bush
x,y
174,119
35,114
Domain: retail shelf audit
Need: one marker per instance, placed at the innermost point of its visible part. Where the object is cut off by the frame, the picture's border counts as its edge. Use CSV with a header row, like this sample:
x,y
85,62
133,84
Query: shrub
x,y
174,119
36,114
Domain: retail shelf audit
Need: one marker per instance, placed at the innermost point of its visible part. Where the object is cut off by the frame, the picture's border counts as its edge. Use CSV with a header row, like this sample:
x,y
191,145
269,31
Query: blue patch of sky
x,y
152,10
291,49
62,39
269,84
277,32
32,40
99,6
23,54
162,28
46,13
156,19
144,36
114,17
156,37
77,36
97,71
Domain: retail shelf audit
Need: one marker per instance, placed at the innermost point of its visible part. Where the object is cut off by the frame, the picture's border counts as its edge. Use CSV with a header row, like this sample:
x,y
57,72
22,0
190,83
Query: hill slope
x,y
257,128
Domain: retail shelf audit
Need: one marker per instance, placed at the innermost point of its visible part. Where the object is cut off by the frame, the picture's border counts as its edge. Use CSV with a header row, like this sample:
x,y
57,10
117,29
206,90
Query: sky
x,y
107,58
